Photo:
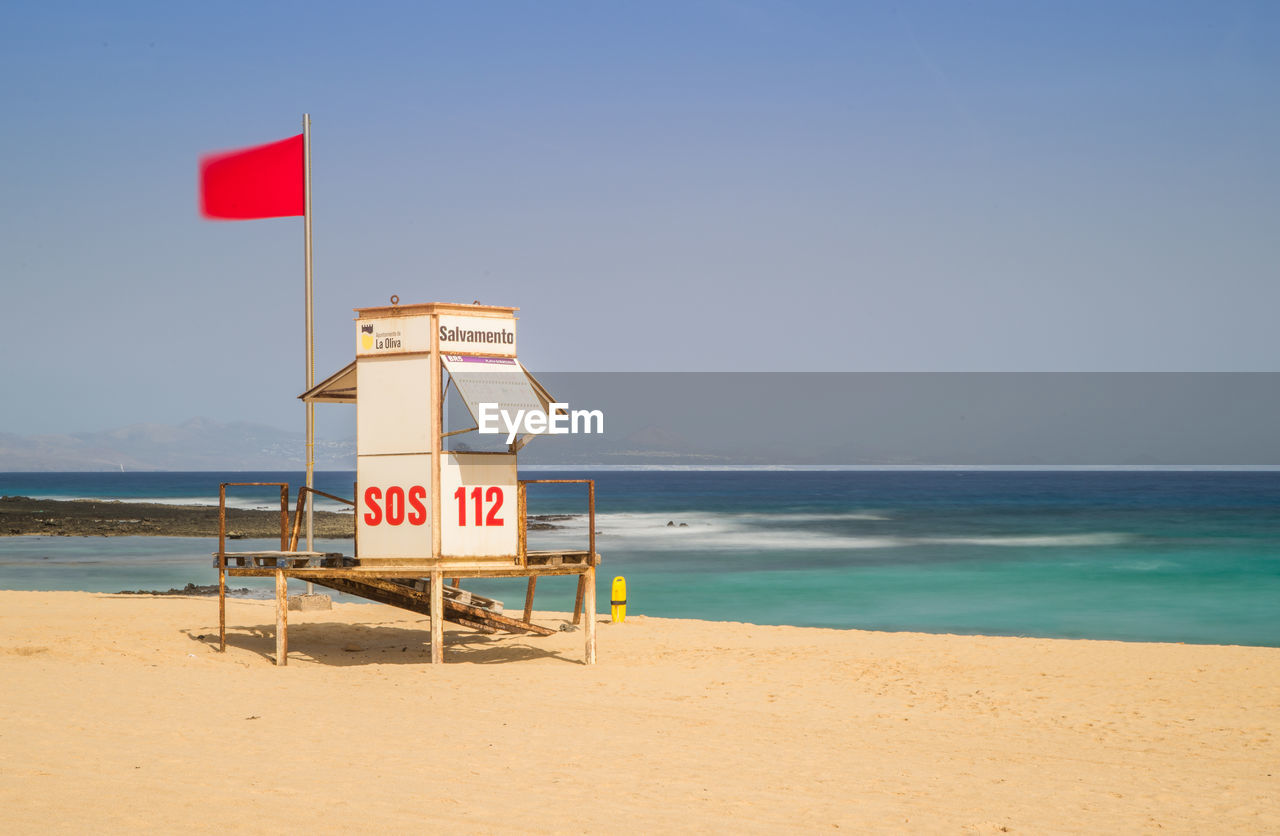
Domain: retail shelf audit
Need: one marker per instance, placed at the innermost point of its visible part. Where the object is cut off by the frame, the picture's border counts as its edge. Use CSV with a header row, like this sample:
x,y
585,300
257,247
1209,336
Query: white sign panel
x,y
393,411
478,501
393,335
495,380
393,510
478,335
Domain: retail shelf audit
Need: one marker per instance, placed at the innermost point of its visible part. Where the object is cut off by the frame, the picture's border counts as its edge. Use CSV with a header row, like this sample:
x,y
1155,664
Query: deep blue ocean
x,y
1174,556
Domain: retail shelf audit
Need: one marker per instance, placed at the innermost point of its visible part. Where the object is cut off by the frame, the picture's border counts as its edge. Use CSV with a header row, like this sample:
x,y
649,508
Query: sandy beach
x,y
120,714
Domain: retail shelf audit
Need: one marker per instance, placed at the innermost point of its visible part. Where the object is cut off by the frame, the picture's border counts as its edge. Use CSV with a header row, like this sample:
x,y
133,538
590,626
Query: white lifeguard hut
x,y
427,507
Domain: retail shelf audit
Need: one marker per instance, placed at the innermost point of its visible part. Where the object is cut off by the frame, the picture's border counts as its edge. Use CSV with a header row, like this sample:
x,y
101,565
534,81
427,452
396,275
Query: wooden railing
x,y
297,514
288,534
222,514
523,509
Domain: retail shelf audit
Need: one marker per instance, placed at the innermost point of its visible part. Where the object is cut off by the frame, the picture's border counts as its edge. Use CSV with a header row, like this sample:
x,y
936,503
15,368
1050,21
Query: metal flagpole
x,y
311,345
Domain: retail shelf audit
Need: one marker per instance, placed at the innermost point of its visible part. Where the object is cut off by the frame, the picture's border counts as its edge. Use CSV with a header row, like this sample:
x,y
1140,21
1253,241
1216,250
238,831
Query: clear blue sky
x,y
659,186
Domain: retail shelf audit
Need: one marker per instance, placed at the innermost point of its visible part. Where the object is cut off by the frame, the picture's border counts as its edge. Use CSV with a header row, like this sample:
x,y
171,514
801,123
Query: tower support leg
x,y
528,598
590,601
222,607
577,600
437,617
282,619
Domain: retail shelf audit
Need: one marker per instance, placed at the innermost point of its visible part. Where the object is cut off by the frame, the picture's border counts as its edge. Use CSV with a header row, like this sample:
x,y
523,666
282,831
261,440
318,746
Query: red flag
x,y
262,182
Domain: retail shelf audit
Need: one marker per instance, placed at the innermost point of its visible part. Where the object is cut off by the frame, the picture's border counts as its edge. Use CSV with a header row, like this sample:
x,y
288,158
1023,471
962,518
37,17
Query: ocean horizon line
x,y
924,468
914,467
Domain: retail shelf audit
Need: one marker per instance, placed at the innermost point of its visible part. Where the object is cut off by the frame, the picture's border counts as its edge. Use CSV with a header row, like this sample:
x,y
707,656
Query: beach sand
x,y
119,714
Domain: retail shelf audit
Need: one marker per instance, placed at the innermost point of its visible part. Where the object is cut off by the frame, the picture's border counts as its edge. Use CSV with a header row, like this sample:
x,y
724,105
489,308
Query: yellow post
x,y
618,599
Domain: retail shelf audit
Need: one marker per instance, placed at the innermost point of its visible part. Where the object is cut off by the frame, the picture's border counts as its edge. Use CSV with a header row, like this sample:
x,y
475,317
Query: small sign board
x,y
478,335
393,335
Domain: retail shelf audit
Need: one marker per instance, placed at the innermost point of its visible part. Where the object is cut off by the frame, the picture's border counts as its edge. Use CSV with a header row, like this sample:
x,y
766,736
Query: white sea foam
x,y
874,516
1142,565
711,531
701,531
1098,538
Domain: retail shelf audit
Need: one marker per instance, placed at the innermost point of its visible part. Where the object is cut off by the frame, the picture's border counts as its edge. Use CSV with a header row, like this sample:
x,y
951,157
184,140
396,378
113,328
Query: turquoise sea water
x,y
1135,555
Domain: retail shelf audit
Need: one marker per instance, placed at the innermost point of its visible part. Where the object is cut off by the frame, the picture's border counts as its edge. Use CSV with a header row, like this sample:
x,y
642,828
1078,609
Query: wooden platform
x,y
408,583
314,565
283,559
414,583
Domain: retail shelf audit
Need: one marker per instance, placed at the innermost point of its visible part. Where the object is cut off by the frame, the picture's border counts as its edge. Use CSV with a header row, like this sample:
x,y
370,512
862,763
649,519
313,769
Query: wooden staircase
x,y
413,594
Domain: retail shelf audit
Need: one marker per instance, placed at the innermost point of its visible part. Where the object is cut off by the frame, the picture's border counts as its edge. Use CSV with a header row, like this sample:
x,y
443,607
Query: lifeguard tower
x,y
427,508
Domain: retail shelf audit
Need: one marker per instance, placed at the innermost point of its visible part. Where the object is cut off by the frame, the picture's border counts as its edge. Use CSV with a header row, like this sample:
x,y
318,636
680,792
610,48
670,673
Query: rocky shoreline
x,y
22,516
191,589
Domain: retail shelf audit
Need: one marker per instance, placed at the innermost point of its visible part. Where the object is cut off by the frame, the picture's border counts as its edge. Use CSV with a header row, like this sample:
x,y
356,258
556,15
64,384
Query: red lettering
x,y
480,496
395,505
374,515
419,513
494,495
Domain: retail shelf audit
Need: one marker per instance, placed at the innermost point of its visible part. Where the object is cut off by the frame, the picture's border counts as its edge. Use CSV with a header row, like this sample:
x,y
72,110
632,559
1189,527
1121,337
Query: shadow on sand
x,y
339,644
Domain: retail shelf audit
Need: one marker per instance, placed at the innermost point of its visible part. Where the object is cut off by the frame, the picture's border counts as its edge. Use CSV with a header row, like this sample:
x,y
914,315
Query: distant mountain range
x,y
812,419
205,444
198,444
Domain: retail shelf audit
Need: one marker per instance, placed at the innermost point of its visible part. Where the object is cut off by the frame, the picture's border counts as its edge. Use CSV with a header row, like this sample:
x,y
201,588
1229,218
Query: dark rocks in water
x,y
189,589
84,518
544,522
671,524
684,525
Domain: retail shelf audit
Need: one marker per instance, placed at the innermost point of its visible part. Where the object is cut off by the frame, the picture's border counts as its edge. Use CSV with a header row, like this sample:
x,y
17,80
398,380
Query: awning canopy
x,y
339,387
